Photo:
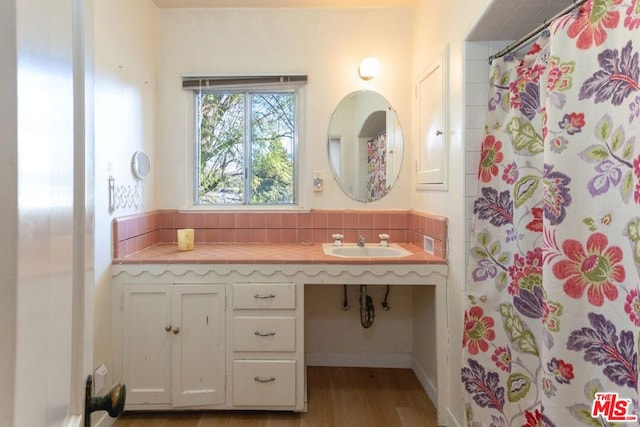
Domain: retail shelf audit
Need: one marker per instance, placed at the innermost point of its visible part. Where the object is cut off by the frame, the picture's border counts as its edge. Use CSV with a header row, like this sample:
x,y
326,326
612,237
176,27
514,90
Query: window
x,y
245,144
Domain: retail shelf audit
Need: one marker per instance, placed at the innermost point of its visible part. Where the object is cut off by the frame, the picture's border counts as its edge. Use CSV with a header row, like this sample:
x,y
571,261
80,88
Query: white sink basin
x,y
352,250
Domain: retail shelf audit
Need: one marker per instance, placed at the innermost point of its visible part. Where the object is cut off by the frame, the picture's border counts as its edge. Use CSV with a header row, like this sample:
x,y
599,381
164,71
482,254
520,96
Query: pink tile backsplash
x,y
136,232
350,219
365,219
273,220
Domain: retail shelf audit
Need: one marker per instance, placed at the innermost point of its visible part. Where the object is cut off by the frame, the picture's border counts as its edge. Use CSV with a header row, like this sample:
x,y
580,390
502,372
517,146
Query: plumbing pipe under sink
x,y
367,310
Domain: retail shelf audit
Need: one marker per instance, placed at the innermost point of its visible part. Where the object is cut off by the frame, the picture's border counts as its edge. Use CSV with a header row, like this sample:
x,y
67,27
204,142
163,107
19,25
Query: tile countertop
x,y
261,253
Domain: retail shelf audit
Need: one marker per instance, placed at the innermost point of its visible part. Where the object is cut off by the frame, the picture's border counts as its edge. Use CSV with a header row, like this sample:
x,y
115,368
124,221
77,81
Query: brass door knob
x,y
112,402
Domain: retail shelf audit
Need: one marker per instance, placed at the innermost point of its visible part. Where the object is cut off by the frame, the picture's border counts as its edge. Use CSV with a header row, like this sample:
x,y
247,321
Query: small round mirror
x,y
365,145
140,165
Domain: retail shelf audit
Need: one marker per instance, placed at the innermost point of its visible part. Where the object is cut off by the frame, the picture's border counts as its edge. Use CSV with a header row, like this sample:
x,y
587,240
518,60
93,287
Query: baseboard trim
x,y
360,360
72,421
104,420
452,421
427,384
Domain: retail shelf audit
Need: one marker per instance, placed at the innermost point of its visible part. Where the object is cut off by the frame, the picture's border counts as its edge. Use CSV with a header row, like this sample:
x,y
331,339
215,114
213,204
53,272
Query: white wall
x,y
125,119
436,25
334,336
327,44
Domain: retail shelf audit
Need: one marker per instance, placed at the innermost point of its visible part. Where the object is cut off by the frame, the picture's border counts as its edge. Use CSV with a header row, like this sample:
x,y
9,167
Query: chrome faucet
x,y
361,241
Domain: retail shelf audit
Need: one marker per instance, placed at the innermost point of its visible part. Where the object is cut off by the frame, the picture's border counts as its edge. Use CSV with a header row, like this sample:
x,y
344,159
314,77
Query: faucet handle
x,y
337,239
384,239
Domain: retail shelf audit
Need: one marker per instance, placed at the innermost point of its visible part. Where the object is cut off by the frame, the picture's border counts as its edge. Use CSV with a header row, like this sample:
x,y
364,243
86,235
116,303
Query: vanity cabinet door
x,y
198,347
173,344
146,343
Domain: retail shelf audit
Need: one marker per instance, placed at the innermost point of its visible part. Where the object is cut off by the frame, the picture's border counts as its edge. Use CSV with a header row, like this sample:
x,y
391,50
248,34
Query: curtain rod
x,y
525,39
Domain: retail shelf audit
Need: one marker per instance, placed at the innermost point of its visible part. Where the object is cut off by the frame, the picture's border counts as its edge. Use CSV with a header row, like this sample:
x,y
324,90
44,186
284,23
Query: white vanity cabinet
x,y
267,346
186,339
173,344
239,341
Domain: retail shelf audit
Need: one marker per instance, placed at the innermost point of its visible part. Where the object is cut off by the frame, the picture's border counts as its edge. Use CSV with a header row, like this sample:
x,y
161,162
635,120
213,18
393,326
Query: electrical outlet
x,y
427,244
99,379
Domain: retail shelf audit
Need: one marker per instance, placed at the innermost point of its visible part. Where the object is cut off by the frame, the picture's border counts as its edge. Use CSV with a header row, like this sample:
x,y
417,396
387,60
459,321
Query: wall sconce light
x,y
369,68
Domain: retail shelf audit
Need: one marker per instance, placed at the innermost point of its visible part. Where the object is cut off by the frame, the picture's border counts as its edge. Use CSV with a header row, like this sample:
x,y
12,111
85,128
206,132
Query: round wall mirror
x,y
365,145
140,165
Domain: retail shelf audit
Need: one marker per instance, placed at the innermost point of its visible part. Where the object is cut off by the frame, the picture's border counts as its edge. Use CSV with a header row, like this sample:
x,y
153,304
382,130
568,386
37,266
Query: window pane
x,y
272,148
220,148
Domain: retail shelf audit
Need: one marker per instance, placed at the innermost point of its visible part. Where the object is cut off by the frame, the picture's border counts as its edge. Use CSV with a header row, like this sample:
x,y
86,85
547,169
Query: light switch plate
x,y
318,182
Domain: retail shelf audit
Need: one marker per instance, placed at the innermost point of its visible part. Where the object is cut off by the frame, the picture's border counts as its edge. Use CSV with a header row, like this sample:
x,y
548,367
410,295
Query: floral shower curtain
x,y
377,167
552,316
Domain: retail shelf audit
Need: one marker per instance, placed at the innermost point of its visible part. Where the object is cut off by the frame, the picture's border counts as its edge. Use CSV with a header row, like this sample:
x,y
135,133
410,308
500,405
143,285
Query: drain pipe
x,y
345,300
385,303
367,310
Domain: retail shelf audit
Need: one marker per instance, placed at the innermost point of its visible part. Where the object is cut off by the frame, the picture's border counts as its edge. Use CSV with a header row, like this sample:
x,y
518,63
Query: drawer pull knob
x,y
264,380
265,334
258,296
167,328
176,330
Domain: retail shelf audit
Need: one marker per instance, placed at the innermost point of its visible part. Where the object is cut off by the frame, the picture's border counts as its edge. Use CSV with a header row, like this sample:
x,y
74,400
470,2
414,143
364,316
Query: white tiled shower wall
x,y
477,85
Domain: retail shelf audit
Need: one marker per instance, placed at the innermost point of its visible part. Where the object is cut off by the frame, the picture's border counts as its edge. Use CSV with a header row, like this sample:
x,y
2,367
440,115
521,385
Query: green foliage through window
x,y
245,146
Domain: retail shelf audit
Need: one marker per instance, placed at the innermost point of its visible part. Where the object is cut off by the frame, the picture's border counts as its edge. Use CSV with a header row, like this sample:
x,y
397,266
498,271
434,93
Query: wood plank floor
x,y
337,397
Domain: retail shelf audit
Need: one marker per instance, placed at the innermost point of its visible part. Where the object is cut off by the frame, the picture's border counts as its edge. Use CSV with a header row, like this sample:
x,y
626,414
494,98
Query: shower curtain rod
x,y
525,39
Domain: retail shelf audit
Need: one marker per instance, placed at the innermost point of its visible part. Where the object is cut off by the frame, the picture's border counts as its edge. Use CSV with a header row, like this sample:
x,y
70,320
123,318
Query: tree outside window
x,y
245,148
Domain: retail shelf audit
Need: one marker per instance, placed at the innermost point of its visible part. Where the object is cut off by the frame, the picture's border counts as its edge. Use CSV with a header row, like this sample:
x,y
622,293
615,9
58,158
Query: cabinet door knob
x,y
167,328
265,334
264,380
176,330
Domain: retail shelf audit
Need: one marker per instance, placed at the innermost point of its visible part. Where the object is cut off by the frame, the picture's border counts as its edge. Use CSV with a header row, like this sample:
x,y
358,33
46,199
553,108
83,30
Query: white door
x,y
198,320
146,342
49,236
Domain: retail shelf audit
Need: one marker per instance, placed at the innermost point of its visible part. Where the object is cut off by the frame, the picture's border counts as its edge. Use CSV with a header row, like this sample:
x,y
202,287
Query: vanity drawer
x,y
264,382
264,295
264,333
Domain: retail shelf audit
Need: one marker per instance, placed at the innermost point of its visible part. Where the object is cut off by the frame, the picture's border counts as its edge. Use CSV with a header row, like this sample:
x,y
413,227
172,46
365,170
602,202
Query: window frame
x,y
295,88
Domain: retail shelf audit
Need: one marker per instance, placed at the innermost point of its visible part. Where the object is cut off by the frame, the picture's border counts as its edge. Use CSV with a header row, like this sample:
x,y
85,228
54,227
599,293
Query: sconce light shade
x,y
369,68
